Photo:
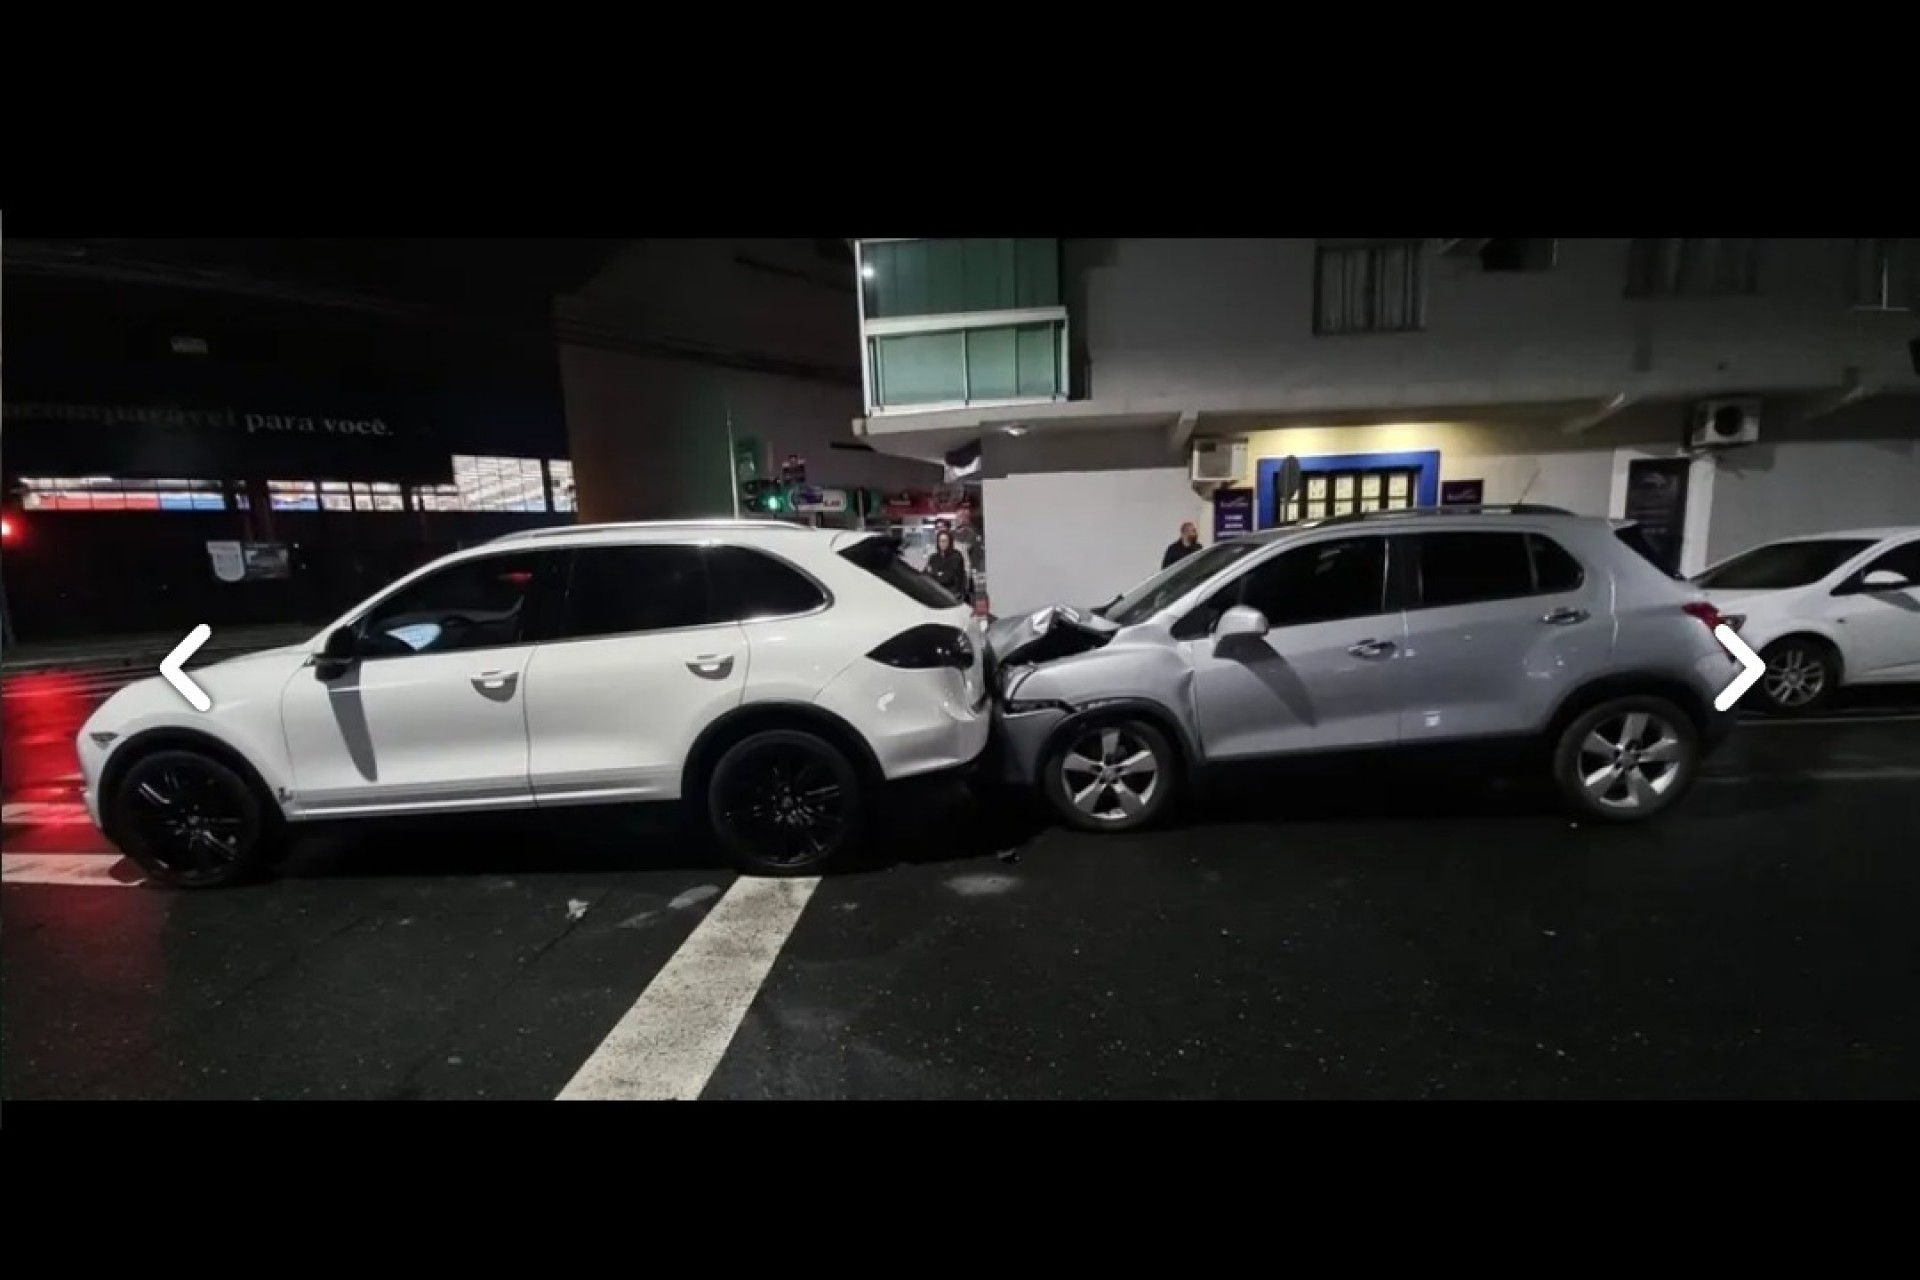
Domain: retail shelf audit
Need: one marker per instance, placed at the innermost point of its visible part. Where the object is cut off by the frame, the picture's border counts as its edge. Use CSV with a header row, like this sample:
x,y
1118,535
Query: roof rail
x,y
554,531
1403,513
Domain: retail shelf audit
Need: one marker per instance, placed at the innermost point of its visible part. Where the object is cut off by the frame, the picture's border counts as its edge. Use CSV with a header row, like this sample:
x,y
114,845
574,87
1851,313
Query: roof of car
x,y
772,531
1869,535
1493,512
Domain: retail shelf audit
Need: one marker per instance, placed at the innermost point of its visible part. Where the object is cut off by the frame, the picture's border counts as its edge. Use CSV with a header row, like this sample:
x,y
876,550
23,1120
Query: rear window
x,y
1634,536
881,558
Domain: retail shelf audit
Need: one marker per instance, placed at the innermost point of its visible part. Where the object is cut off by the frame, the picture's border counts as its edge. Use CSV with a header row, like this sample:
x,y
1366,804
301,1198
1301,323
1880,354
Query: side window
x,y
752,584
484,603
1904,560
1322,582
1554,570
616,591
1469,568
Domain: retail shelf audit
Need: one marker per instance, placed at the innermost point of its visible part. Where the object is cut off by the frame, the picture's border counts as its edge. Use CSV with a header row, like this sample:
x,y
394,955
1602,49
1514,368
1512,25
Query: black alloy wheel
x,y
785,802
190,821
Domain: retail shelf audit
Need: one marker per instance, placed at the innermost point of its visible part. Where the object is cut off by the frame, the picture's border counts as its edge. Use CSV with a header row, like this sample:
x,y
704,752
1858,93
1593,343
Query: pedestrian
x,y
1178,551
948,566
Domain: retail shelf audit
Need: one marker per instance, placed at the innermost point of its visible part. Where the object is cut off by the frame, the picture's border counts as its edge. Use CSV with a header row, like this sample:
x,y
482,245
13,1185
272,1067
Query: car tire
x,y
1111,775
190,820
1626,760
1803,675
785,802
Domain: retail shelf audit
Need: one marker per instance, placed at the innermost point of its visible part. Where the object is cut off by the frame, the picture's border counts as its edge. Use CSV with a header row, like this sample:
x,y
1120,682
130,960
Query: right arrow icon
x,y
1752,666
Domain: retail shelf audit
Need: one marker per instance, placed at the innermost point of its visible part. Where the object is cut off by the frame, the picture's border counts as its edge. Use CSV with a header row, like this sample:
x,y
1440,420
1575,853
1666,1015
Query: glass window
x,y
964,366
1370,288
1672,268
624,590
1168,586
293,495
752,584
1633,536
475,604
1467,568
1321,582
1554,570
1903,560
881,558
1780,565
955,276
560,478
113,493
499,484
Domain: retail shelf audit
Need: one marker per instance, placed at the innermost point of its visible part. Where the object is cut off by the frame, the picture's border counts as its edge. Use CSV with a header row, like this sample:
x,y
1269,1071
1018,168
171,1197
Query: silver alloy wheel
x,y
1795,678
1630,760
1111,774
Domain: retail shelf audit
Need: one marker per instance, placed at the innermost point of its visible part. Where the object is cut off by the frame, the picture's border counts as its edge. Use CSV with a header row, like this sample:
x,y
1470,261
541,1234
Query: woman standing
x,y
948,566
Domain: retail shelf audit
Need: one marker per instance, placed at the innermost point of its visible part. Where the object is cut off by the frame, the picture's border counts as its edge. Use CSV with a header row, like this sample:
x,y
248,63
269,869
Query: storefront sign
x,y
249,561
229,561
63,438
809,502
1232,513
267,561
1463,493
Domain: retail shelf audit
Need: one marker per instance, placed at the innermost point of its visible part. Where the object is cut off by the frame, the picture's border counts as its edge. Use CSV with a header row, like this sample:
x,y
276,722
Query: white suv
x,y
773,674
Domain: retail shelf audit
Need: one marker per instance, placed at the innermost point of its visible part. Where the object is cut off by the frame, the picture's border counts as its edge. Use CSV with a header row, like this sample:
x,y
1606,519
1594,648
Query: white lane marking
x,y
46,813
669,1044
91,870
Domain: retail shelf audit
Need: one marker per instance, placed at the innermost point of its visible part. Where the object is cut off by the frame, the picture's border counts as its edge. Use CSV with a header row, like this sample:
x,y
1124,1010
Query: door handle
x,y
1372,648
712,666
495,681
1564,617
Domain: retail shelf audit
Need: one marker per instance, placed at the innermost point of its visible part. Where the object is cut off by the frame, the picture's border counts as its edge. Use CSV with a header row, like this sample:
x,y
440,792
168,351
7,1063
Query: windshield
x,y
1782,564
1167,586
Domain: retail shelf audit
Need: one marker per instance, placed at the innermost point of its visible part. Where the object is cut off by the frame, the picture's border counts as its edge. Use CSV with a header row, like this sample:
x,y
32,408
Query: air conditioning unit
x,y
1722,424
1219,461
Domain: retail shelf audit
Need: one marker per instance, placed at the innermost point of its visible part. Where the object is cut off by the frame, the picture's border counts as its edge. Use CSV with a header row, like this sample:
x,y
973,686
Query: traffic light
x,y
765,498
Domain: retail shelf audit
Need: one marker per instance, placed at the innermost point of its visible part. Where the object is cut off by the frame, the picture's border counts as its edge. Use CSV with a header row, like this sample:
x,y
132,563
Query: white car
x,y
772,674
1826,612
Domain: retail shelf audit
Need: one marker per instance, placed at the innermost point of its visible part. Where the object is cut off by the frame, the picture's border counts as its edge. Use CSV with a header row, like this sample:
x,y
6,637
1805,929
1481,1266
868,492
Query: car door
x,y
1499,621
639,667
1883,627
1326,676
430,714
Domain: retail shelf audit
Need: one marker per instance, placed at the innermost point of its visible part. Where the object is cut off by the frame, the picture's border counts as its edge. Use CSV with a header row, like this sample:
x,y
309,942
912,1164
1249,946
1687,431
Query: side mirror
x,y
339,653
1885,580
1240,622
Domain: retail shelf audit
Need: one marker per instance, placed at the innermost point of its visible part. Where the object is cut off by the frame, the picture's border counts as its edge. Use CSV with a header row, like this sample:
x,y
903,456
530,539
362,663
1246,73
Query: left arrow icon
x,y
170,668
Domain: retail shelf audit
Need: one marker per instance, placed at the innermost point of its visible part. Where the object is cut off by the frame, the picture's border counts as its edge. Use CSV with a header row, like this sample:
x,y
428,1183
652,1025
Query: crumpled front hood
x,y
1057,631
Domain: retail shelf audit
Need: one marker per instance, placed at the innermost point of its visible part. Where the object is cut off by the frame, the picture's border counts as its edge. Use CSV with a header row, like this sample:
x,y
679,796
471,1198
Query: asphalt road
x,y
1355,940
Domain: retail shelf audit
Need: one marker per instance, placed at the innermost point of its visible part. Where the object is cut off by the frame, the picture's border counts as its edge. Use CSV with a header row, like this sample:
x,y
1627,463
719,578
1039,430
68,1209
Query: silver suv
x,y
1522,626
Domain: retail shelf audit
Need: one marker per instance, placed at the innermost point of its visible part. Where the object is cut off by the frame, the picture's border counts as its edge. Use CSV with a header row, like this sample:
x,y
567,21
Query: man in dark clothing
x,y
1188,544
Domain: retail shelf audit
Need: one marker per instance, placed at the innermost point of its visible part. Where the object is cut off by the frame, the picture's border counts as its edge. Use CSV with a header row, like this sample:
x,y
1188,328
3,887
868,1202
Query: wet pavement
x,y
1335,941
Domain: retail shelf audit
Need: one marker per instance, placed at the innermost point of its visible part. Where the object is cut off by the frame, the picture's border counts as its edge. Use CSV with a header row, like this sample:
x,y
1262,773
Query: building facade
x,y
155,438
1413,371
681,357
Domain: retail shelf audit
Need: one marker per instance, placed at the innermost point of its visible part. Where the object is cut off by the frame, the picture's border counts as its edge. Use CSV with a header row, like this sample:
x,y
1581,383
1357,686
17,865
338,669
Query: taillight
x,y
1708,615
926,648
